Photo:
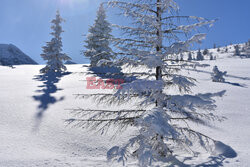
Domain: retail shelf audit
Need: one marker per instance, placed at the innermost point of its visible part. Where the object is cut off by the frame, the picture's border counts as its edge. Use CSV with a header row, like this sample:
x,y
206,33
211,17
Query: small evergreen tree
x,y
217,75
199,56
226,49
205,52
247,43
218,50
98,39
237,50
182,57
211,56
246,50
177,59
190,56
243,49
52,51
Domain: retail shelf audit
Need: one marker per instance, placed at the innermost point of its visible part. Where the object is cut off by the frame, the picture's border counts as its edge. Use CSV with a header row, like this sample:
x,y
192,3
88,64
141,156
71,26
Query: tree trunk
x,y
159,36
158,47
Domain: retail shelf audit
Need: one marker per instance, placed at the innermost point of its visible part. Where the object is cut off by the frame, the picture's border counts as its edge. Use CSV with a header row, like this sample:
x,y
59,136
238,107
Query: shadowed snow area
x,y
47,89
33,109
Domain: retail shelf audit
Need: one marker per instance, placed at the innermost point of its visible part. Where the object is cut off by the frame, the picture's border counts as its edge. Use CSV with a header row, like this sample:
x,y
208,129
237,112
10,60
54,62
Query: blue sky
x,y
26,23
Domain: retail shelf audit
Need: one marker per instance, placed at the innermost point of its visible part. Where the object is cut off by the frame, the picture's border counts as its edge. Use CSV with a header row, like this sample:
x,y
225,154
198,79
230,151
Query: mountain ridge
x,y
12,55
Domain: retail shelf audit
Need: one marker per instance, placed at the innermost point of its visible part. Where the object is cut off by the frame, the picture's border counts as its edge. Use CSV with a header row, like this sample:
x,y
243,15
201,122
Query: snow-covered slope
x,y
225,51
33,110
11,55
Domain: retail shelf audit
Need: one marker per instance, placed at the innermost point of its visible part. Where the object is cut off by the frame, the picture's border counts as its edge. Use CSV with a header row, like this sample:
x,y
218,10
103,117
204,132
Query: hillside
x,y
11,55
33,110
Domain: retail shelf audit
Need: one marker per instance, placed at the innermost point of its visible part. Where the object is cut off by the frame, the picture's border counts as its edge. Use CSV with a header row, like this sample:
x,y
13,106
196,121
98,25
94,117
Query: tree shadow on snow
x,y
233,84
230,76
236,84
47,89
222,151
111,73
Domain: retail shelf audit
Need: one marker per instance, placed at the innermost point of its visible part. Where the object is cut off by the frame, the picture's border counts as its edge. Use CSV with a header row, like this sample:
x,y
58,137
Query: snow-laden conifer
x,y
190,57
218,49
226,49
247,43
181,57
52,51
205,52
162,120
211,56
217,75
246,50
237,50
98,39
199,56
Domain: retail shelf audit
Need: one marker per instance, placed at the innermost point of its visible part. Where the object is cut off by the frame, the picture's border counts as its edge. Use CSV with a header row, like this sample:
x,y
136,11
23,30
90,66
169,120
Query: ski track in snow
x,y
29,140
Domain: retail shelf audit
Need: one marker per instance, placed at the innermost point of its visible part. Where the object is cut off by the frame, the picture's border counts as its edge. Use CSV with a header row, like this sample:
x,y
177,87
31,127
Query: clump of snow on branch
x,y
140,87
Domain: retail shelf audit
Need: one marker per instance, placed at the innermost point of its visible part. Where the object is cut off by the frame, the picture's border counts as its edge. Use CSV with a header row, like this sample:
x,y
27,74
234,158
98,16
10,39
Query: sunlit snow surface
x,y
33,132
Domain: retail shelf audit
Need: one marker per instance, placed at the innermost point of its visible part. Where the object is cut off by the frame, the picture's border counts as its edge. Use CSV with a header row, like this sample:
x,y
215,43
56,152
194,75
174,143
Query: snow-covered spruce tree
x,y
177,59
182,57
246,51
243,49
205,52
98,39
190,57
52,51
162,119
217,75
247,43
218,49
199,56
237,50
226,49
211,56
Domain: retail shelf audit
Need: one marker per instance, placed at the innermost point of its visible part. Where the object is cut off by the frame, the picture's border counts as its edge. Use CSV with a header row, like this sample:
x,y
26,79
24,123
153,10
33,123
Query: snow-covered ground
x,y
32,112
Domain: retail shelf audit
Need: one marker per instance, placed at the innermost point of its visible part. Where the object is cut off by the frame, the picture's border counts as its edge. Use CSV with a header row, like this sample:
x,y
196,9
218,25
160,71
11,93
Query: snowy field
x,y
33,131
